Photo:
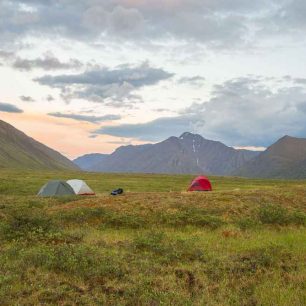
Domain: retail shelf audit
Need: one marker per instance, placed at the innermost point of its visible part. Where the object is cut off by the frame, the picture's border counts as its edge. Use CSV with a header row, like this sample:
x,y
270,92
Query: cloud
x,y
161,110
242,112
245,111
6,54
27,99
102,83
196,81
121,142
93,136
212,23
47,62
91,119
151,131
288,17
9,108
50,98
116,21
300,81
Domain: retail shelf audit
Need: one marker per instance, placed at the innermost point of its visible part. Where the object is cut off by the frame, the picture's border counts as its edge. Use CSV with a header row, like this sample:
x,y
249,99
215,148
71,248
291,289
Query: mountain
x,y
88,161
284,159
189,153
17,150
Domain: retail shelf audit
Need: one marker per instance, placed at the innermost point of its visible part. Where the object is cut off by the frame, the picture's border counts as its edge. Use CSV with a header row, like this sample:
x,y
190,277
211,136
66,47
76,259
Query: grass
x,y
242,244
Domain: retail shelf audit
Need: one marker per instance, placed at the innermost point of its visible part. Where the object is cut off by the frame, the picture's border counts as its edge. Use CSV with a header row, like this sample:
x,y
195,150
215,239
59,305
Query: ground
x,y
242,244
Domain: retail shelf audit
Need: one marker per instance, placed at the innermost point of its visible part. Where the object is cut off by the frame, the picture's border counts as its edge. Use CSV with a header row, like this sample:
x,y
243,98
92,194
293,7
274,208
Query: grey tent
x,y
56,188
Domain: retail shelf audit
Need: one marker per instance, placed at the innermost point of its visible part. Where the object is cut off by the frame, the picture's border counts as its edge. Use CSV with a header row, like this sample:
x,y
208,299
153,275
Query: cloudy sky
x,y
91,75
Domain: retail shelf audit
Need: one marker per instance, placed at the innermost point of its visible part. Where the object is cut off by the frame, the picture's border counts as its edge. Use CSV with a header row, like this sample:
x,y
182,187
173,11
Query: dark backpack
x,y
117,191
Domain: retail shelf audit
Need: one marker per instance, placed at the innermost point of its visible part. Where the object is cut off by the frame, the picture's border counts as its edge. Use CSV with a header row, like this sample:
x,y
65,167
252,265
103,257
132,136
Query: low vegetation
x,y
242,244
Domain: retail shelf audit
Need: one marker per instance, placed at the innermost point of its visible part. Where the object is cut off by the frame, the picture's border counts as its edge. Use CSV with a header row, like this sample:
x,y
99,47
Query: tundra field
x,y
242,244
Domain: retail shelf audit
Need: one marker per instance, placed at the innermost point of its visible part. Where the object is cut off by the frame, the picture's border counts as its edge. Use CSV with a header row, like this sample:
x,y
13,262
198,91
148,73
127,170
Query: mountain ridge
x,y
88,161
17,150
188,153
286,158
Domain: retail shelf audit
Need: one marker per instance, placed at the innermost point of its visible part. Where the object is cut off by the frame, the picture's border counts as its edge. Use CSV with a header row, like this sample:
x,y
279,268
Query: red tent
x,y
201,183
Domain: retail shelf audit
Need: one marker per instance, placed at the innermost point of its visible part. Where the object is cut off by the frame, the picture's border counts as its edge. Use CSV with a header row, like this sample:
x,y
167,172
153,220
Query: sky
x,y
91,75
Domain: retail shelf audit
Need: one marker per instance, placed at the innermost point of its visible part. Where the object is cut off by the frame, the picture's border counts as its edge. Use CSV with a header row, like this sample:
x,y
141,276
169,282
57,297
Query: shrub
x,y
195,217
35,204
24,224
31,225
297,218
247,223
82,261
168,249
152,242
82,215
273,214
250,262
261,259
119,220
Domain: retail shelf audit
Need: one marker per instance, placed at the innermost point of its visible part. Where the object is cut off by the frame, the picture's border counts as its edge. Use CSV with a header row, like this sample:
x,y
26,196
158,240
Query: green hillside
x,y
17,150
242,244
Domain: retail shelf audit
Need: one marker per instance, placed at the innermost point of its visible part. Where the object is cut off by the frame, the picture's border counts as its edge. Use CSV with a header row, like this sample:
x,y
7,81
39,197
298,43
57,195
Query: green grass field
x,y
242,244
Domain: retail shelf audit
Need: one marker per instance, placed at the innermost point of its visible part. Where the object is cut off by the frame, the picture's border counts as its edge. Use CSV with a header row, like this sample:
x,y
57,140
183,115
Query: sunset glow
x,y
90,76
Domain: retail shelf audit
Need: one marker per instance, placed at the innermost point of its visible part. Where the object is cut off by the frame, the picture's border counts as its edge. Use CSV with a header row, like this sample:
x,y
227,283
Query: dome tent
x,y
201,183
56,188
80,187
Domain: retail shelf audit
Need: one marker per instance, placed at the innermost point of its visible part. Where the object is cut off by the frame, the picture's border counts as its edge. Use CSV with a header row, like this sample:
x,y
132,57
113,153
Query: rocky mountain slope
x,y
189,153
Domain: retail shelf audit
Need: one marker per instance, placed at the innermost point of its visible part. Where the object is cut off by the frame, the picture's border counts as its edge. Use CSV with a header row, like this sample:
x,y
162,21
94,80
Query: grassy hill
x,y
284,159
242,244
19,151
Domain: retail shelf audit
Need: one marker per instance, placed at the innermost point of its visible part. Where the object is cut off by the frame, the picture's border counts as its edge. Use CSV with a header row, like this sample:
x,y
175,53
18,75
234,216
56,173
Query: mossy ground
x,y
242,244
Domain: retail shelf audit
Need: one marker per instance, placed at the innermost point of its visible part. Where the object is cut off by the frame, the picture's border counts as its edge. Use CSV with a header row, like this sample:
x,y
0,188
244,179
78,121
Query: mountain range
x,y
88,162
189,153
17,150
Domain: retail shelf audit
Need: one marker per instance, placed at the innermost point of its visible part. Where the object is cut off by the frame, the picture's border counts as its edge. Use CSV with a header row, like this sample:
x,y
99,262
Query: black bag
x,y
117,191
